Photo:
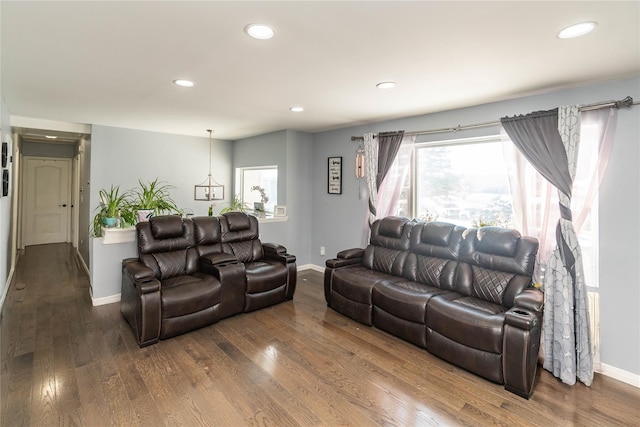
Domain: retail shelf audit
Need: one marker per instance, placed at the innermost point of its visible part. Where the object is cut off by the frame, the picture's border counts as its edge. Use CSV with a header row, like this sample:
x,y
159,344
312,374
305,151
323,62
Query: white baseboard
x,y
620,375
82,263
311,267
105,300
6,287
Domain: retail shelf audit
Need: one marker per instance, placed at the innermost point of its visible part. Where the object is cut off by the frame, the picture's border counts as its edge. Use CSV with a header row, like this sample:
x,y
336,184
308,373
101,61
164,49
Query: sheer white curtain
x,y
393,184
371,171
535,201
383,199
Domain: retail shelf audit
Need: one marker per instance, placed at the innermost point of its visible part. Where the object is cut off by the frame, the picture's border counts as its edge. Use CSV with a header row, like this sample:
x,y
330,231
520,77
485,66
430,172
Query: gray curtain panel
x,y
388,146
552,151
536,136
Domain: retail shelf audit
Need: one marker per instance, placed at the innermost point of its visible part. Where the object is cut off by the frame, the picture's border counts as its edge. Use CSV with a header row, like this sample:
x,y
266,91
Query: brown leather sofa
x,y
464,295
191,273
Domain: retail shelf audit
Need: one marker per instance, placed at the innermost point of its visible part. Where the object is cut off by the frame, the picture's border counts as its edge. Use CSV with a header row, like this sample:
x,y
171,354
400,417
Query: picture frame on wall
x,y
5,182
5,154
334,179
279,211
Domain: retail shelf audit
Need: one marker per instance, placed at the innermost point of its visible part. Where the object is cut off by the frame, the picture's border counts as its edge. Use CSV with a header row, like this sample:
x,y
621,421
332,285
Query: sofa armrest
x,y
347,257
140,301
530,299
351,253
218,259
277,252
521,343
522,319
137,270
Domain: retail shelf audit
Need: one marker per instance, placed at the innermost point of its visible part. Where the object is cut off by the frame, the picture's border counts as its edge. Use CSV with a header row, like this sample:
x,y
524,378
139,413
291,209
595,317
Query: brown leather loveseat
x,y
191,273
464,295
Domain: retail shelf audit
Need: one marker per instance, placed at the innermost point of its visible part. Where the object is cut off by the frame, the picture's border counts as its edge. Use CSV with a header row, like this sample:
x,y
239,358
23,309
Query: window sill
x,y
118,235
271,218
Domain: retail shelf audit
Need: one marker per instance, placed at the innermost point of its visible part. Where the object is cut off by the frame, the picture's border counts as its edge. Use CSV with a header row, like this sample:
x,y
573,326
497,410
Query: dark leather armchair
x,y
163,291
269,270
191,273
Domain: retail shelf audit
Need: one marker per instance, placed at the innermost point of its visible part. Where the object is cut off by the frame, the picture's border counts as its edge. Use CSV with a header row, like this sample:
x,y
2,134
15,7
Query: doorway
x,y
46,213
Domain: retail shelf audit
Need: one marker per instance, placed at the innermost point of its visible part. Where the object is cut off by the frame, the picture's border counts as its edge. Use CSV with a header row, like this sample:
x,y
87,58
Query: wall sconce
x,y
209,189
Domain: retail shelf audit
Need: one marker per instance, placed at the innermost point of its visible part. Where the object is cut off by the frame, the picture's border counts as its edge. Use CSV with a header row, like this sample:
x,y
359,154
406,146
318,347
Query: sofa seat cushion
x,y
264,276
356,283
406,300
182,295
469,321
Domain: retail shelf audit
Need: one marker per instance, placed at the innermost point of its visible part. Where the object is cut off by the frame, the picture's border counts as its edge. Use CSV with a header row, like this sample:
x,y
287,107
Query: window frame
x,y
240,184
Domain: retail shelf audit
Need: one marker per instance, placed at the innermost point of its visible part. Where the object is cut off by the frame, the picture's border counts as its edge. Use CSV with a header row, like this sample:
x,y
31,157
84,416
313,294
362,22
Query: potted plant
x,y
152,198
236,205
114,206
259,207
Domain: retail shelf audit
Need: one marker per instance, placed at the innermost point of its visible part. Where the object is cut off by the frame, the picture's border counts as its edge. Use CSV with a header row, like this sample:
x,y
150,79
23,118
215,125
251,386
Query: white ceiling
x,y
112,63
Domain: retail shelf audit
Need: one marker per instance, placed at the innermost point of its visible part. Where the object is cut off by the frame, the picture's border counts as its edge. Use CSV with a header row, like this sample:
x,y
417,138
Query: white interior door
x,y
47,200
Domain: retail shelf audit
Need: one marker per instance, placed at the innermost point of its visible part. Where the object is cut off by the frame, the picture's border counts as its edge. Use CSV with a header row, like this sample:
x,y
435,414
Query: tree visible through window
x,y
462,182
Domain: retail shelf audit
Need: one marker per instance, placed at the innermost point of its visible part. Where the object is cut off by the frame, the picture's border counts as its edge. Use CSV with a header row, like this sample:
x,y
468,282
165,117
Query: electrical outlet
x,y
322,250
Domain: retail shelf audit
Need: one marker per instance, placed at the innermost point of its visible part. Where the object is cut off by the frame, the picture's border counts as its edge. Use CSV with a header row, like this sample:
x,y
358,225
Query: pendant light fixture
x,y
209,189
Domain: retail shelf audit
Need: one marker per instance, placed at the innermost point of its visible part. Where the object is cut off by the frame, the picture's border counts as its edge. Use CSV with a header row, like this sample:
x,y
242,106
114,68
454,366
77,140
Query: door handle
x,y
63,205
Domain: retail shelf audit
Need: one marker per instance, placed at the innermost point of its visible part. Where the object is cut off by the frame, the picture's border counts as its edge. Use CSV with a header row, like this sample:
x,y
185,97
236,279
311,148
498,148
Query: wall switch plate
x,y
322,250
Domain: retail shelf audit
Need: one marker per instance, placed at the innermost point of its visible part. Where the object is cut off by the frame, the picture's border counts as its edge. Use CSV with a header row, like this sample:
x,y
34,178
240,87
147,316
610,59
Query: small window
x,y
258,185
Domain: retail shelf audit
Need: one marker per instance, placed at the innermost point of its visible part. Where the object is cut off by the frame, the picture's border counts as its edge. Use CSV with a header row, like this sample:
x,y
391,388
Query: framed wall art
x,y
280,211
5,154
334,184
5,182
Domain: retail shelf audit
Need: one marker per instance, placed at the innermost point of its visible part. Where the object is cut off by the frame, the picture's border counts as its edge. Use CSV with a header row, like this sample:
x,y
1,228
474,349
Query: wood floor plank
x,y
297,363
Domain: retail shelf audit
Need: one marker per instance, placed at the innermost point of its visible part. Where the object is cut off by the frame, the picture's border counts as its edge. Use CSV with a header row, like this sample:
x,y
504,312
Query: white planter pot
x,y
144,215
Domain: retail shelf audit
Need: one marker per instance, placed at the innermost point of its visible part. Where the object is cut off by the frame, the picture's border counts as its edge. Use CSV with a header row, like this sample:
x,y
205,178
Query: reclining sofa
x,y
191,273
464,295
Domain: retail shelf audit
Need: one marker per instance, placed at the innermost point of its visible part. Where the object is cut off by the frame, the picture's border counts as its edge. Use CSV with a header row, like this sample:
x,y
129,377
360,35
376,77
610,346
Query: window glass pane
x,y
264,178
464,184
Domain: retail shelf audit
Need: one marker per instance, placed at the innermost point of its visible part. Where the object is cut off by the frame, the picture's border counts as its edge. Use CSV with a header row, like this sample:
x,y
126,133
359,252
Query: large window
x,y
466,182
250,182
462,182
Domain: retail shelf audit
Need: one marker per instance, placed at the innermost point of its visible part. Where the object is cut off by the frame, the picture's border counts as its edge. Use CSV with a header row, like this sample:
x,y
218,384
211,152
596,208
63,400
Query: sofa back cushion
x,y
434,254
497,264
165,244
389,243
207,234
240,236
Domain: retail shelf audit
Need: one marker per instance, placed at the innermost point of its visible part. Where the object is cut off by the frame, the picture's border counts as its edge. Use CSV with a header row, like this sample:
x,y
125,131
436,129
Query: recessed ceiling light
x,y
51,137
259,31
296,109
577,30
184,83
386,85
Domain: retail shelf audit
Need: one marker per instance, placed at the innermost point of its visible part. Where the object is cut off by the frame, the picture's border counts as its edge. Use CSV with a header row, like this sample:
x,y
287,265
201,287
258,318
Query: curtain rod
x,y
625,103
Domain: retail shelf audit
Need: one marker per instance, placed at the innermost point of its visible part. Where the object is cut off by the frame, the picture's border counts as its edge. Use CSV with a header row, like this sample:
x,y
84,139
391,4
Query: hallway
x,y
49,332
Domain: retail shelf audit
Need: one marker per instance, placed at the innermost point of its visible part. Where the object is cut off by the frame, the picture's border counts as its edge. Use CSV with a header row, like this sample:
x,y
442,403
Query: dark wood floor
x,y
65,362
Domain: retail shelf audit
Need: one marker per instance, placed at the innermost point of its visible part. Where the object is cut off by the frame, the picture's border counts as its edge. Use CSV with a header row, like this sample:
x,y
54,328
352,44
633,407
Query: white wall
x,y
5,209
338,219
85,210
7,249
